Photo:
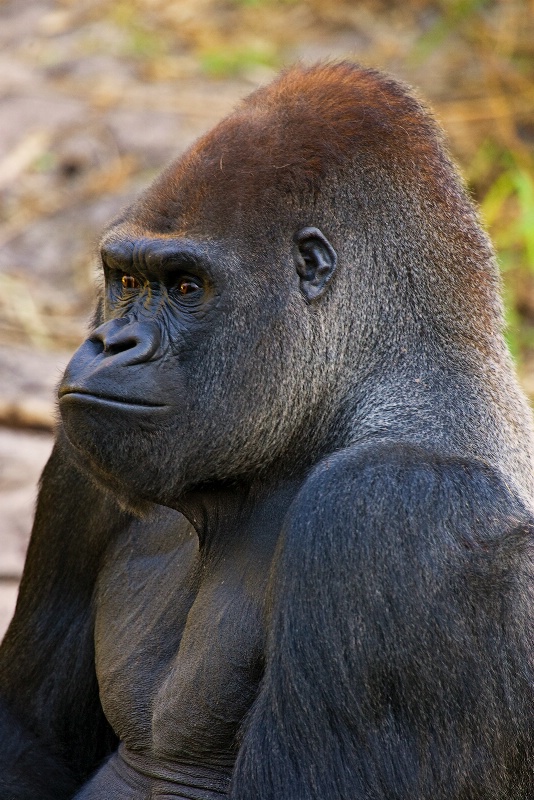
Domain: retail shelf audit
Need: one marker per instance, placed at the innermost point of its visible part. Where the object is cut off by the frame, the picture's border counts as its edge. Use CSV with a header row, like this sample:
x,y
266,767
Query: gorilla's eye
x,y
188,286
129,282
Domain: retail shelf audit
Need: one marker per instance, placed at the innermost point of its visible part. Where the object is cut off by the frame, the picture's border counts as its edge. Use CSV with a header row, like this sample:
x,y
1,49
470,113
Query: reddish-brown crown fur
x,y
287,137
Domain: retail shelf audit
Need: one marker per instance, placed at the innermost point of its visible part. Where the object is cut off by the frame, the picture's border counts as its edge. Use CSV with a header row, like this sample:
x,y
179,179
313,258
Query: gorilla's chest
x,y
179,644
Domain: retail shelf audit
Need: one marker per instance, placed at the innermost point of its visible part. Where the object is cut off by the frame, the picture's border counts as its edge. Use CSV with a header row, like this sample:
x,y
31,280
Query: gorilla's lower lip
x,y
118,402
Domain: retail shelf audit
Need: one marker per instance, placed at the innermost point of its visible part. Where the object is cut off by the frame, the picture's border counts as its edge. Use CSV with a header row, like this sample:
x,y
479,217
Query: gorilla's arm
x,y
400,650
52,729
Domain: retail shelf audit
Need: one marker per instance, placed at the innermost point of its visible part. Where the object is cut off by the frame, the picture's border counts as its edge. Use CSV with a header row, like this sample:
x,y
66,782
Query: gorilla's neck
x,y
222,514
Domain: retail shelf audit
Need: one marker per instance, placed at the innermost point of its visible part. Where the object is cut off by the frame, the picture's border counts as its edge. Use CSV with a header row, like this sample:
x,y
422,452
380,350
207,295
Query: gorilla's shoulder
x,y
395,485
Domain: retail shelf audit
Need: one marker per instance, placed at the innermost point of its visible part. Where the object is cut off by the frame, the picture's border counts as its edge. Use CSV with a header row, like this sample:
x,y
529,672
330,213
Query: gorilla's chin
x,y
121,449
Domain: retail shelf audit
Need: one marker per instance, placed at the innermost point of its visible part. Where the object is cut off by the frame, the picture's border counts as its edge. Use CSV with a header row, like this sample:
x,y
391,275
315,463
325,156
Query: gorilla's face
x,y
130,399
194,375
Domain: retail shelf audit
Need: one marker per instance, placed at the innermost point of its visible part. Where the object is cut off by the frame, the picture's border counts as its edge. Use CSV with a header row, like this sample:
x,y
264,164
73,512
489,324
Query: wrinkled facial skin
x,y
126,396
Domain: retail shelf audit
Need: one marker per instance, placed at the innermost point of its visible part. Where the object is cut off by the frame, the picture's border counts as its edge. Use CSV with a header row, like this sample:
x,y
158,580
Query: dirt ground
x,y
89,111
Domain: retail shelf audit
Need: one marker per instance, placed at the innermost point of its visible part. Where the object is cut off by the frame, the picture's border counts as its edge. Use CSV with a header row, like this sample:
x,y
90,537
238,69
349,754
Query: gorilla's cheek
x,y
127,441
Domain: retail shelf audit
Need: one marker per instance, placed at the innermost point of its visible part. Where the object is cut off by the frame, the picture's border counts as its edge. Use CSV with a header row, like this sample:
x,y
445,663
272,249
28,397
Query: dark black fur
x,y
53,729
409,675
283,549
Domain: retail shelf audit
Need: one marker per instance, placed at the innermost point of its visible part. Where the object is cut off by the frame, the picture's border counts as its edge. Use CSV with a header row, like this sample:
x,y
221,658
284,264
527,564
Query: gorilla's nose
x,y
133,341
98,366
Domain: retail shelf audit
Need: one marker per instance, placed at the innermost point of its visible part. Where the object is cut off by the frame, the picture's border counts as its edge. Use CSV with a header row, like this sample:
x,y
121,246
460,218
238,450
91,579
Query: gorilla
x,y
283,548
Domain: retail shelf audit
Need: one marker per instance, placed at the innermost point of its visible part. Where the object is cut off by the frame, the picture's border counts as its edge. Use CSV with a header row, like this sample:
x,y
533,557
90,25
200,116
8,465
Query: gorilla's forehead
x,y
274,153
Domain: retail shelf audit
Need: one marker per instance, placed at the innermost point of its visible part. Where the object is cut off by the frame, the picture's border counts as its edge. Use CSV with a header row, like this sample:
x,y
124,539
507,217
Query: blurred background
x,y
97,95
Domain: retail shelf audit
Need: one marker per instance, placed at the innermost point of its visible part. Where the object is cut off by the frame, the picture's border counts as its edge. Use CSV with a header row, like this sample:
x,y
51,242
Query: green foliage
x,y
225,62
46,162
142,41
504,184
264,3
250,3
144,44
453,16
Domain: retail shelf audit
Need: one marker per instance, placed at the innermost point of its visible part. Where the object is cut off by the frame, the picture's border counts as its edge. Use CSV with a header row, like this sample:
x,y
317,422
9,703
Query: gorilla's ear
x,y
315,260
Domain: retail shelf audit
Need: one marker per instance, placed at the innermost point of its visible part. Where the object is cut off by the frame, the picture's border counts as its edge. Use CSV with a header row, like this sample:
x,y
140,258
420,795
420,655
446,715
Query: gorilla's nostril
x,y
119,345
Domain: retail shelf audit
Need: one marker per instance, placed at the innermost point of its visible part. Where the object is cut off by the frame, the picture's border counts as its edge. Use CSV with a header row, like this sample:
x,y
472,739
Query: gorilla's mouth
x,y
74,395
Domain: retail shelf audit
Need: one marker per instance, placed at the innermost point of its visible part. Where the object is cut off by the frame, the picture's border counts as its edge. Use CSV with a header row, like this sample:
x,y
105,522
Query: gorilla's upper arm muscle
x,y
47,674
398,580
